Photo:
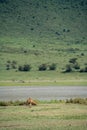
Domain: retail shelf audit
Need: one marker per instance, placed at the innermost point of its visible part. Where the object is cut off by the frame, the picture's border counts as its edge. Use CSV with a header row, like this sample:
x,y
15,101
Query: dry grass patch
x,y
44,117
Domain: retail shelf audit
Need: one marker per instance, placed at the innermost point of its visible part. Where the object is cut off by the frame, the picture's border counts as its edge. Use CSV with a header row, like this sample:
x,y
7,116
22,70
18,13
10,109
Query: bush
x,y
2,103
12,103
7,67
3,1
73,60
24,68
76,66
11,64
20,68
77,101
83,70
82,54
9,61
68,68
52,66
43,67
18,103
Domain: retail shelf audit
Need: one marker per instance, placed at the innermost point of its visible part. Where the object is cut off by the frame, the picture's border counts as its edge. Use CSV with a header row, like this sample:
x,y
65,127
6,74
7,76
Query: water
x,y
42,93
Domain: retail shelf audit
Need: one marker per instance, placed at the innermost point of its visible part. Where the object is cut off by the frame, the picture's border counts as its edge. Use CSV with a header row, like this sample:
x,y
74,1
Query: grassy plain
x,y
45,53
44,116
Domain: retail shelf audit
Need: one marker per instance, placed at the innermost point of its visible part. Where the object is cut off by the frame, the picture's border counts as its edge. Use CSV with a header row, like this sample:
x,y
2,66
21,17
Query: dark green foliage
x,y
52,66
66,30
43,67
77,101
68,68
82,54
25,51
9,61
12,103
25,67
83,70
33,45
3,103
11,65
73,66
73,60
3,1
76,66
20,68
7,67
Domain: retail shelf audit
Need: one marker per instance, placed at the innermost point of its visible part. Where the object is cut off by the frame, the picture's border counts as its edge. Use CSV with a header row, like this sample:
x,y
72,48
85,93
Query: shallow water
x,y
42,93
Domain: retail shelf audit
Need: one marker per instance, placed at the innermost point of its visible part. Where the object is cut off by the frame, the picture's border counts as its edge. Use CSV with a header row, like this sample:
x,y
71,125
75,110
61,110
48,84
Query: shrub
x,y
82,54
3,1
25,51
76,66
52,66
43,67
68,68
18,103
32,29
33,45
83,70
20,68
14,62
73,60
24,68
7,67
12,103
2,103
77,101
8,61
11,64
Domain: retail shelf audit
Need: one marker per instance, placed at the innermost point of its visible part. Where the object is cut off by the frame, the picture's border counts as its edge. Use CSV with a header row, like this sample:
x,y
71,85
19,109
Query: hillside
x,y
39,32
59,19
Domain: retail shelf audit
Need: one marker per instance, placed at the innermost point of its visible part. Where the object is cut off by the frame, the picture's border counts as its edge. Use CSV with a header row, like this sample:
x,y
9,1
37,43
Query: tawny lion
x,y
31,102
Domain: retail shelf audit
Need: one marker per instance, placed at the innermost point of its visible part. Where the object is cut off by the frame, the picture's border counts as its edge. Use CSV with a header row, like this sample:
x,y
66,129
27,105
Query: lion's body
x,y
31,102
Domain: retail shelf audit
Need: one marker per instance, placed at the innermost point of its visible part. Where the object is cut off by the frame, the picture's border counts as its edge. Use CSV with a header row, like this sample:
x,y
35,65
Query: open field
x,y
45,78
44,83
44,116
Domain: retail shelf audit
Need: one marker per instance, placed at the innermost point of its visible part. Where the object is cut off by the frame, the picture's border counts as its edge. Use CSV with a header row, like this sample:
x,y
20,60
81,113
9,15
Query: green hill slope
x,y
61,19
39,32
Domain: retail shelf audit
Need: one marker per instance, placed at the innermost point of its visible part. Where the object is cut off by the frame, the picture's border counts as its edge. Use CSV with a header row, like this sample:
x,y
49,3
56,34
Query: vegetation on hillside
x,y
43,35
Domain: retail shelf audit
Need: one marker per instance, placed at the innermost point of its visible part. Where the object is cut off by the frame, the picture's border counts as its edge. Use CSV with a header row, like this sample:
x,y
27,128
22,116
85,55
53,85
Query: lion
x,y
30,102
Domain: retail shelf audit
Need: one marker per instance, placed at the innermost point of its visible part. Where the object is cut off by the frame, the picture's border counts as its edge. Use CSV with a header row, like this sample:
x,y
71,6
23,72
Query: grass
x,y
22,103
42,53
44,83
48,78
39,32
77,101
44,116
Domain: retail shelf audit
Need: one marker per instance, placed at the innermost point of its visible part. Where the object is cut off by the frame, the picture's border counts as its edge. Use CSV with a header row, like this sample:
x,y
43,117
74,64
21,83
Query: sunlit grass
x,y
44,116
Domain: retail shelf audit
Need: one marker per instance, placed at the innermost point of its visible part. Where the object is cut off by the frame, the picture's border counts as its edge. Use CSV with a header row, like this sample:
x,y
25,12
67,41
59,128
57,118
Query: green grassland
x,y
44,116
39,32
